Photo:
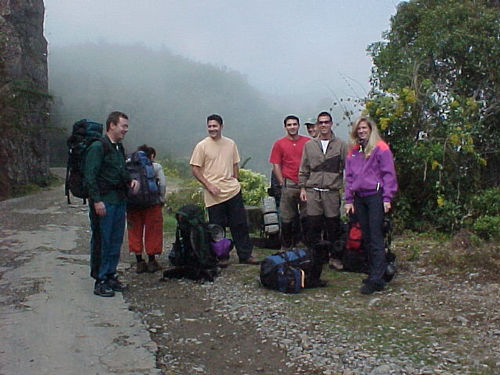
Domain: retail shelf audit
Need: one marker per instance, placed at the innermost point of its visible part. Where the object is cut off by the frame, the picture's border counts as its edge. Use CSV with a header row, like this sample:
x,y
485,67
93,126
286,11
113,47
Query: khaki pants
x,y
290,204
326,203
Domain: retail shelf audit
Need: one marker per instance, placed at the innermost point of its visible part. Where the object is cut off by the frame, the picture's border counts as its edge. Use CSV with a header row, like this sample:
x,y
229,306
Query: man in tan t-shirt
x,y
214,163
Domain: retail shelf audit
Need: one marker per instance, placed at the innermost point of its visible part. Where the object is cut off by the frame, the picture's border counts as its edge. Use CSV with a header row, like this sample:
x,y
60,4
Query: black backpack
x,y
84,133
191,250
288,271
355,257
141,169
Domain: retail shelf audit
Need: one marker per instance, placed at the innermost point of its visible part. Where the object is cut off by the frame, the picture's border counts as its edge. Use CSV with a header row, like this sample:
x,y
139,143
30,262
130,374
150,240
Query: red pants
x,y
145,224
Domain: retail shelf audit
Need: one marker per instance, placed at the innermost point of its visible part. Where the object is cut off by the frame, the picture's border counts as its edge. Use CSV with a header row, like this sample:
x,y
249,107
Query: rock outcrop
x,y
24,99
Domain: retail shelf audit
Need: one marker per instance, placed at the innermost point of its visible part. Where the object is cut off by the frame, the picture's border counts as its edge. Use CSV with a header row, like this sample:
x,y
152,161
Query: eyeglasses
x,y
324,122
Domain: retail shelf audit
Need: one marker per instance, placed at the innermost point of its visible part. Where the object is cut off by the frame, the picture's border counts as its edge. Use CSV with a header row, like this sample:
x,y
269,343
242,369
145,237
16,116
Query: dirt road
x,y
51,323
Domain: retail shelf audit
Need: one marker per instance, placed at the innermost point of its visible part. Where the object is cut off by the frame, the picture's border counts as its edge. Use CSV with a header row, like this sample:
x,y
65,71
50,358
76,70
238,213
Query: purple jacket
x,y
366,176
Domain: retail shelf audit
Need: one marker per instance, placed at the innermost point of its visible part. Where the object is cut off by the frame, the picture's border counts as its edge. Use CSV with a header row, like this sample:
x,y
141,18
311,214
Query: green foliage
x,y
32,188
435,98
175,167
488,227
253,187
190,193
169,224
19,99
486,203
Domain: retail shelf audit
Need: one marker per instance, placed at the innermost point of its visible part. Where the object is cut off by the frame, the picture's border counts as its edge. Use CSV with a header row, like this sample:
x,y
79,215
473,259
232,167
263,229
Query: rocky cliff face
x,y
24,100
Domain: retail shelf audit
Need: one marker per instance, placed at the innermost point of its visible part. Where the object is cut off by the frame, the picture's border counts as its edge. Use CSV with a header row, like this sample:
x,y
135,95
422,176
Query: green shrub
x,y
253,187
487,227
486,202
191,193
169,223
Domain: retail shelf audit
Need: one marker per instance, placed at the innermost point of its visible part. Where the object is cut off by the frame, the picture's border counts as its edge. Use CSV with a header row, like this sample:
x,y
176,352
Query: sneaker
x,y
153,266
249,260
335,264
116,285
370,288
141,267
103,289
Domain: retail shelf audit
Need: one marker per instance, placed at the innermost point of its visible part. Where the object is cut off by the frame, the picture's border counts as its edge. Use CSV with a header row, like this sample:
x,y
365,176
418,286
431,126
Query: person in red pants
x,y
145,225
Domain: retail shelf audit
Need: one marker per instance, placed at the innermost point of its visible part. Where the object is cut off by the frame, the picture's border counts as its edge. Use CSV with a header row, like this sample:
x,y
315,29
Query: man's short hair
x,y
324,113
114,117
290,117
215,117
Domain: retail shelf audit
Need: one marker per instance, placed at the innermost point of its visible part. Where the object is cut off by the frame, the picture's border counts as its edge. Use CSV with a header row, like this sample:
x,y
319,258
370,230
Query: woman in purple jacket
x,y
370,185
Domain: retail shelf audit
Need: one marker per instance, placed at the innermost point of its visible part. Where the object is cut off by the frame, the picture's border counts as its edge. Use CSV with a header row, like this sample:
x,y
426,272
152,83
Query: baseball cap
x,y
311,121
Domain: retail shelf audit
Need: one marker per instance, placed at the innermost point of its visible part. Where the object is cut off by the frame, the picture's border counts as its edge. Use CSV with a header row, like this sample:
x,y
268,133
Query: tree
x,y
435,94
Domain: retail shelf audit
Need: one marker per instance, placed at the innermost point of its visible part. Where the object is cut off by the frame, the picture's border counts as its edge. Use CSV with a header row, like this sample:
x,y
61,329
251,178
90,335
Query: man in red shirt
x,y
286,155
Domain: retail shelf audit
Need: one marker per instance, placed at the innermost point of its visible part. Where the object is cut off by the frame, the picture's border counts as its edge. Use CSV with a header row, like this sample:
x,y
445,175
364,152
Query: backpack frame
x,y
191,248
84,133
141,169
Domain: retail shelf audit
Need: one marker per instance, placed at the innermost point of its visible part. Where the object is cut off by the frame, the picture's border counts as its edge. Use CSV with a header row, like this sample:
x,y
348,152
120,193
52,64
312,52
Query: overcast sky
x,y
284,47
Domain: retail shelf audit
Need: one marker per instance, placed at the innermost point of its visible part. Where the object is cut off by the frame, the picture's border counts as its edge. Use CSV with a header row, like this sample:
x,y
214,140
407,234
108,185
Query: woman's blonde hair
x,y
374,134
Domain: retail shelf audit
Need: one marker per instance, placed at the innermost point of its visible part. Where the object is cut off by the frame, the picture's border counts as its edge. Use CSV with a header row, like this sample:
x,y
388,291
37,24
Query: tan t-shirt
x,y
216,159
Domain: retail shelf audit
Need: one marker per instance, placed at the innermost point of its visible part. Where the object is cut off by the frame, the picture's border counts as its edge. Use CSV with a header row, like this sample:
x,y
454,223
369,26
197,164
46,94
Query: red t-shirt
x,y
288,153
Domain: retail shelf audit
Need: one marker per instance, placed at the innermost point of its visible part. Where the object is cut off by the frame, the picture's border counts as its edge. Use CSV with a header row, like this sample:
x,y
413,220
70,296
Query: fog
x,y
292,48
266,59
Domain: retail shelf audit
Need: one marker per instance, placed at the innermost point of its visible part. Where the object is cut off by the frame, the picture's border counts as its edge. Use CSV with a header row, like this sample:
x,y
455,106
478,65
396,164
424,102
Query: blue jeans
x,y
370,212
232,214
106,240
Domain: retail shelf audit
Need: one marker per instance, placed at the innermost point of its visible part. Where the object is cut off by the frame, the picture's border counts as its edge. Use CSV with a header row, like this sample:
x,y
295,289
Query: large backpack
x,y
288,271
355,257
141,169
191,249
84,133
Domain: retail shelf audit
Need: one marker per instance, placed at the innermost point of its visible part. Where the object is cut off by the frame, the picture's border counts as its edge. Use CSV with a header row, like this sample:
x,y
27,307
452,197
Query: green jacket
x,y
105,174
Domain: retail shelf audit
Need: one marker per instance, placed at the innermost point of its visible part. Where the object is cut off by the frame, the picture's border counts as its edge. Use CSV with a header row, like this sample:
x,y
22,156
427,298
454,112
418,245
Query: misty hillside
x,y
167,98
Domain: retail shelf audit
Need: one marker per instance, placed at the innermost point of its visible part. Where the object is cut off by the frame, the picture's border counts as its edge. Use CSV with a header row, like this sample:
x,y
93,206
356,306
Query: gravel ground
x,y
422,324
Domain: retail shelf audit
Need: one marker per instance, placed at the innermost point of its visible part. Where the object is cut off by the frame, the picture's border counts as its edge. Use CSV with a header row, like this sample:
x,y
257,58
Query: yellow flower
x,y
440,201
471,104
454,139
384,123
410,97
434,164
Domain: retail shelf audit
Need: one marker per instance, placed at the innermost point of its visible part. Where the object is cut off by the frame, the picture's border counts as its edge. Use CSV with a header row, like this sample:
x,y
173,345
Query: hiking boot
x,y
116,285
153,266
141,267
318,284
370,288
103,289
223,263
250,260
335,264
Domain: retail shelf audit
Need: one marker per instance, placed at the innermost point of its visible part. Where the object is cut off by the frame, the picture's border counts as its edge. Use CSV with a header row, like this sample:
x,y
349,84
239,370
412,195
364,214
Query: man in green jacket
x,y
107,180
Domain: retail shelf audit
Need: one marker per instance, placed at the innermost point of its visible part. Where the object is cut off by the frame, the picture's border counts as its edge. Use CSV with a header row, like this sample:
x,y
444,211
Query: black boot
x,y
334,235
315,226
286,236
